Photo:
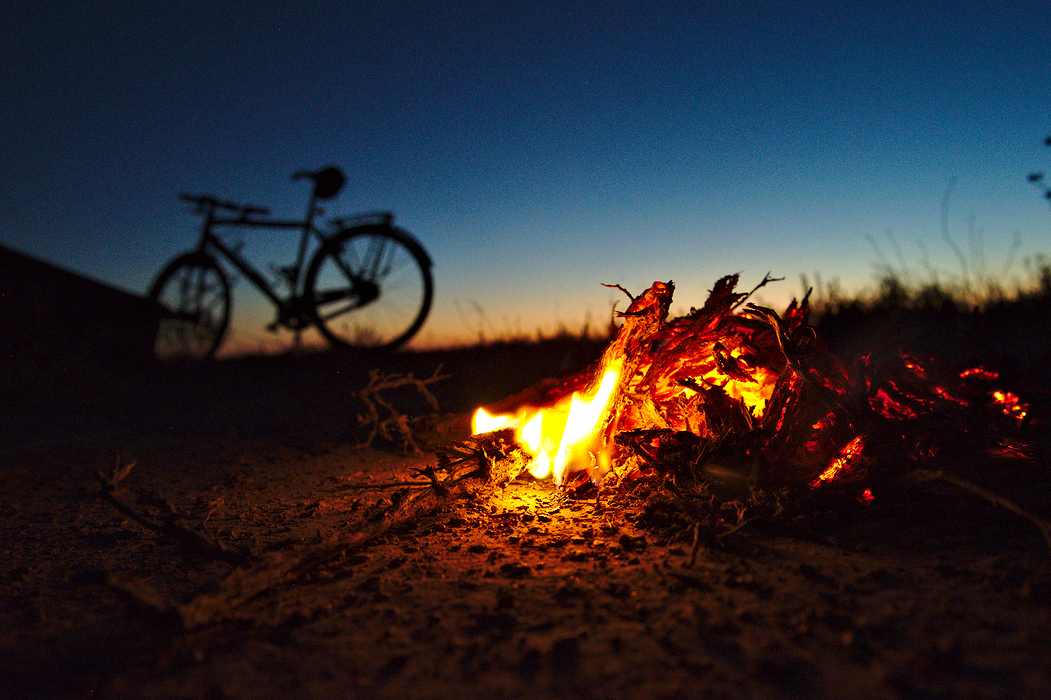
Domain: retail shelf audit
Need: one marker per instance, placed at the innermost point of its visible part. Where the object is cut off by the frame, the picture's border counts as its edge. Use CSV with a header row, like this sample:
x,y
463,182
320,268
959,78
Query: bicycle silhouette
x,y
368,285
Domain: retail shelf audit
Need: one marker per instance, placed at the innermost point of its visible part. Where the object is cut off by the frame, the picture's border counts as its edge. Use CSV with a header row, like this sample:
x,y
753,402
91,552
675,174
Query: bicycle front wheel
x,y
194,296
371,288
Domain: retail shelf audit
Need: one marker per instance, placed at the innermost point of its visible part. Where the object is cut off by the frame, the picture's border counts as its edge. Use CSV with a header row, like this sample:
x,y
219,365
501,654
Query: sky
x,y
539,150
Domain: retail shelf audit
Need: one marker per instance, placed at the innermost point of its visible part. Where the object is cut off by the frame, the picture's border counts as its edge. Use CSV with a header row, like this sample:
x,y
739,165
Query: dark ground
x,y
929,591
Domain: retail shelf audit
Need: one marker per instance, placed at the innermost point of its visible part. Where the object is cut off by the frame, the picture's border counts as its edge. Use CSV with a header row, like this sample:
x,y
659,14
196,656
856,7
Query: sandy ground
x,y
929,591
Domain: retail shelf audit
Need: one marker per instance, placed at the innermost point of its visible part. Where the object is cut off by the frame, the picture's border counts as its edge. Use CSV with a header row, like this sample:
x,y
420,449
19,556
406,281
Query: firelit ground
x,y
929,591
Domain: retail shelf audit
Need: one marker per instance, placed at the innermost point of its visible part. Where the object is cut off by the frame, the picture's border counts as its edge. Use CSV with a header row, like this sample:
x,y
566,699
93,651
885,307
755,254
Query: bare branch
x,y
617,286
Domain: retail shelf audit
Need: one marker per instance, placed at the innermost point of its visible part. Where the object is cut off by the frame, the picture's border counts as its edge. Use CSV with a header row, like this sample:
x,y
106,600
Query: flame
x,y
482,422
749,379
583,419
754,394
561,436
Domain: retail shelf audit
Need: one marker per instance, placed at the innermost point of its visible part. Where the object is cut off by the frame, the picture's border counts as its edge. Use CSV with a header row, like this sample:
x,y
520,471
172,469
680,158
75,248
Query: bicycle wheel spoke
x,y
329,315
194,297
370,289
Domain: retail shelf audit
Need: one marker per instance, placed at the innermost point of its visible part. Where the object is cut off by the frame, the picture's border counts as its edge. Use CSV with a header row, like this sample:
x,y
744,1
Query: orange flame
x,y
561,436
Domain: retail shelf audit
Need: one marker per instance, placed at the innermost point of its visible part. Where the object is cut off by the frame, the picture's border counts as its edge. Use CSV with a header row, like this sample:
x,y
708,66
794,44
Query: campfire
x,y
690,426
733,399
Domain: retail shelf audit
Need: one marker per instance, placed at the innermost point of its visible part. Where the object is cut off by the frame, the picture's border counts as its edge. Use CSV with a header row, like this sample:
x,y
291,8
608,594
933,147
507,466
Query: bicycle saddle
x,y
327,181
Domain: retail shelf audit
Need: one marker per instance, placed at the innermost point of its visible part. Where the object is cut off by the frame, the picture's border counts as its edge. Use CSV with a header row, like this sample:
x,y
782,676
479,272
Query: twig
x,y
735,528
377,486
767,279
394,425
696,543
617,286
275,568
168,526
1042,525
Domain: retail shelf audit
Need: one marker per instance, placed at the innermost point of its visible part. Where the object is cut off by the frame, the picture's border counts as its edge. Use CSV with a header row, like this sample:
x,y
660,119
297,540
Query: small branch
x,y
696,543
169,525
767,279
1042,525
377,486
395,425
617,286
735,528
276,568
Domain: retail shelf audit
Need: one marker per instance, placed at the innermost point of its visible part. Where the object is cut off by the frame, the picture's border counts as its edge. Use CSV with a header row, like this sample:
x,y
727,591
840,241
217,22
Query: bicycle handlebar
x,y
204,201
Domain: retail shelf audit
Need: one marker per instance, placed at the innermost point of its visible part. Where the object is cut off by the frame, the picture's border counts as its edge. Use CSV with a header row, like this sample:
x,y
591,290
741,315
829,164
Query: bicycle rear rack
x,y
377,217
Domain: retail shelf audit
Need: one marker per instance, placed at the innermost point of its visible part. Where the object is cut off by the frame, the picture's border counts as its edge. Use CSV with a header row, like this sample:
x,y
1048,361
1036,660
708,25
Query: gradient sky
x,y
537,150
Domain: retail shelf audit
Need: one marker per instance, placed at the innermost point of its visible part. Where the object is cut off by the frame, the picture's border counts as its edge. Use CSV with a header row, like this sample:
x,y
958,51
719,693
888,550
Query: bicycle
x,y
368,285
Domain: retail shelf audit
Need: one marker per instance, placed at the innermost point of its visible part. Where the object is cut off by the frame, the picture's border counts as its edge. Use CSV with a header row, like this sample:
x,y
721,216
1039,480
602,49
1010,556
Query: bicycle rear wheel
x,y
370,288
194,296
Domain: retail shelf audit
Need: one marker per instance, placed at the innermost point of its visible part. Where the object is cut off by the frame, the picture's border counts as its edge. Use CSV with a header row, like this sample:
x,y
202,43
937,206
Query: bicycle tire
x,y
370,288
194,295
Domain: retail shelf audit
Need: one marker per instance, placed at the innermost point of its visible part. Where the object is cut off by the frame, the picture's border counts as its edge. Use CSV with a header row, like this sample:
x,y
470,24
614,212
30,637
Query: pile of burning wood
x,y
699,423
734,399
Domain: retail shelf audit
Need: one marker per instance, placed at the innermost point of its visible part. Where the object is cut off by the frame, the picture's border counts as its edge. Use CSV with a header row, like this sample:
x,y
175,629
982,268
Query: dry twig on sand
x,y
1041,524
167,522
276,568
394,426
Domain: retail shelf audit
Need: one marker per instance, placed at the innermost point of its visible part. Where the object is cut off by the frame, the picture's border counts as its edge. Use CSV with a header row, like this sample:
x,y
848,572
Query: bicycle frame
x,y
361,265
210,239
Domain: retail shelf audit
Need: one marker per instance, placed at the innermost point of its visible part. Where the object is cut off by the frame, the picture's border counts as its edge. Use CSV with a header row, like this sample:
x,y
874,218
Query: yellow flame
x,y
531,434
482,422
532,438
584,417
571,427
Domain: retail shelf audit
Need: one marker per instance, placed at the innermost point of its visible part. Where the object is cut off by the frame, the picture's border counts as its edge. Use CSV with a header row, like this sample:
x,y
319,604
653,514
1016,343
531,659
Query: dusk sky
x,y
537,150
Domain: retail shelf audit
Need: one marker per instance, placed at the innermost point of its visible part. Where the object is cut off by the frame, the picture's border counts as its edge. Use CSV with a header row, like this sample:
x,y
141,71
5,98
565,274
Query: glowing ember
x,y
1010,404
844,462
979,372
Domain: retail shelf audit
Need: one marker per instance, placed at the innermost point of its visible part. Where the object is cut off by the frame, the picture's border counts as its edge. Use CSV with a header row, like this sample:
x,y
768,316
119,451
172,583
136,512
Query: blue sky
x,y
536,149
